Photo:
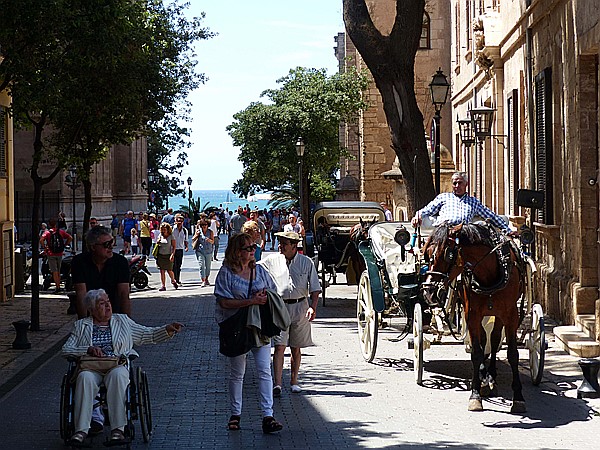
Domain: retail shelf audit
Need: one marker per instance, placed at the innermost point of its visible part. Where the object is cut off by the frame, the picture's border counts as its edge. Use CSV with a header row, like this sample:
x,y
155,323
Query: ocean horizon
x,y
223,197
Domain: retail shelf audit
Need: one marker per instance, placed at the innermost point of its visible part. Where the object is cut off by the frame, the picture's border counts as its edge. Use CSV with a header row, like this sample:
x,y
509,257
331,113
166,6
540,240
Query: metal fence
x,y
49,207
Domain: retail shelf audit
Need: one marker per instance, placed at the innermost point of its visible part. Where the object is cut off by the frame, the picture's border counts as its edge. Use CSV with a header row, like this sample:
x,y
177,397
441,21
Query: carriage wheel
x,y
367,318
418,343
67,425
537,344
144,413
323,281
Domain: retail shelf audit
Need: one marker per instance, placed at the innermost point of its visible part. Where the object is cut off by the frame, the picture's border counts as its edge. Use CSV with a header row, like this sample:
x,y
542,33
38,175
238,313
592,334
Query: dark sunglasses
x,y
107,244
250,248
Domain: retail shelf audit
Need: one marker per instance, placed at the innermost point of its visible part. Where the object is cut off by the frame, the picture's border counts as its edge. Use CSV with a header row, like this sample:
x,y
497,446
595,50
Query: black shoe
x,y
270,425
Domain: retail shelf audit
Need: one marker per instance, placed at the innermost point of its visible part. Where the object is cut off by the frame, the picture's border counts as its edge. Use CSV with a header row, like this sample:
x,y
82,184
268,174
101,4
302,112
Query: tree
x,y
308,104
391,61
87,75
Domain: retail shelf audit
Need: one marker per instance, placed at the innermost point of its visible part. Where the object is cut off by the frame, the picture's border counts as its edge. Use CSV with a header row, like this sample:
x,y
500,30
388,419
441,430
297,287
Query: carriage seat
x,y
386,249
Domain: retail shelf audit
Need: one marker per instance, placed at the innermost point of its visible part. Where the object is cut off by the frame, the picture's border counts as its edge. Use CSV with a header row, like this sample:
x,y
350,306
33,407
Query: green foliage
x,y
308,104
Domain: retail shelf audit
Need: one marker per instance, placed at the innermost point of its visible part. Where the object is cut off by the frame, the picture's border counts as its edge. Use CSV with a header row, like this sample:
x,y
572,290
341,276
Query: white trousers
x,y
87,387
262,359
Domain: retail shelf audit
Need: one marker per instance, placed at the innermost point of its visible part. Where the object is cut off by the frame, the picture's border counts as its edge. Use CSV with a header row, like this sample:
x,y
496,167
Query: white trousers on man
x,y
87,387
262,360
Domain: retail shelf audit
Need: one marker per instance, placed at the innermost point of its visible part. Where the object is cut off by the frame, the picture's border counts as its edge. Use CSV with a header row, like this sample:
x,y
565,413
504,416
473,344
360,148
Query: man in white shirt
x,y
296,279
180,234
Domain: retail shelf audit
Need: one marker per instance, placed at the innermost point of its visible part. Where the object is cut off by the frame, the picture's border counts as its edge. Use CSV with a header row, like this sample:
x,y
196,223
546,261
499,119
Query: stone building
x,y
536,64
373,161
119,183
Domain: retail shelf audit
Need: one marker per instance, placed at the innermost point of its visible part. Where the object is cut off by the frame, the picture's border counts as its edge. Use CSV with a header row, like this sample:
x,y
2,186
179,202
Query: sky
x,y
258,42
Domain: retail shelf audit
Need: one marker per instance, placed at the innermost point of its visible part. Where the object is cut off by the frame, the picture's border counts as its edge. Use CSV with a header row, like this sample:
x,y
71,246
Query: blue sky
x,y
258,42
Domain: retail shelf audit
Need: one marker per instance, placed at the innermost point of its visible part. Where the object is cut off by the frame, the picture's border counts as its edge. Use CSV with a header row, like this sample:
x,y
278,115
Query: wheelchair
x,y
137,403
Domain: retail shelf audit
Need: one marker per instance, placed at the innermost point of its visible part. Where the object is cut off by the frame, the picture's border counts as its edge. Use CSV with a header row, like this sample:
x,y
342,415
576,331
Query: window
x,y
425,41
457,33
543,143
3,140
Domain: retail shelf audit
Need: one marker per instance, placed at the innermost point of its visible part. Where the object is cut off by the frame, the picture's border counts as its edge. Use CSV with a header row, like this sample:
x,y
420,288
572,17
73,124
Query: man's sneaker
x,y
277,391
295,389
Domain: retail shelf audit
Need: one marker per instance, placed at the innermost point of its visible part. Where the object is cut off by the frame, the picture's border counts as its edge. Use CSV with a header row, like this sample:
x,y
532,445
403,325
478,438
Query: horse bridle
x,y
436,290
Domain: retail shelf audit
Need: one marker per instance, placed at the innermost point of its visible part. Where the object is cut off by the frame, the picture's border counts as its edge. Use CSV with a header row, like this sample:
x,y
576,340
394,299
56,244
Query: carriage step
x,y
576,342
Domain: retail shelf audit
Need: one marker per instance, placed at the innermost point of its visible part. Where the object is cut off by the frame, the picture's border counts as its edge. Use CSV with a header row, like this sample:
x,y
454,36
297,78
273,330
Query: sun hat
x,y
291,235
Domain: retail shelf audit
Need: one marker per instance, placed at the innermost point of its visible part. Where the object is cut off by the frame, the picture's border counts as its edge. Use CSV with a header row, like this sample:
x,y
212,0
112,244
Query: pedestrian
x,y
180,233
202,243
169,217
61,221
53,241
297,281
127,224
237,220
43,228
134,242
114,226
166,255
388,214
250,227
93,222
276,226
146,234
241,283
228,216
214,227
262,230
294,225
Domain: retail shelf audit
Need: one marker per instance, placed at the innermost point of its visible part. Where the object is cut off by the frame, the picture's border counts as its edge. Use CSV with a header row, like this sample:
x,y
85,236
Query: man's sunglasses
x,y
250,248
107,244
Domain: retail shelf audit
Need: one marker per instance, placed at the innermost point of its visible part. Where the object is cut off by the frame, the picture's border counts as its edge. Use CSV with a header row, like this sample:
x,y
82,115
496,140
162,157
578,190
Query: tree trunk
x,y
391,61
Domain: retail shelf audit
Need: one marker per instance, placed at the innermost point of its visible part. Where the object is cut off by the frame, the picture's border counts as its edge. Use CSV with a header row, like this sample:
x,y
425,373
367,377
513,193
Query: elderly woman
x,y
105,334
167,244
240,282
202,243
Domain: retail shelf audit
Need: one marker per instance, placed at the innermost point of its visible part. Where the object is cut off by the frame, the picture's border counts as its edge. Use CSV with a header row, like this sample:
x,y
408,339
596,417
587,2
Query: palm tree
x,y
284,197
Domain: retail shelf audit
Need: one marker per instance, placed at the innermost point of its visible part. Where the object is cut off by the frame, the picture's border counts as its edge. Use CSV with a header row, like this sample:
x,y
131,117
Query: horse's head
x,y
360,231
442,254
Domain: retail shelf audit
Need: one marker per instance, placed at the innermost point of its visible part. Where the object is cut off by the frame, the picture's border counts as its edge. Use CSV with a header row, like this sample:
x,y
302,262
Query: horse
x,y
491,283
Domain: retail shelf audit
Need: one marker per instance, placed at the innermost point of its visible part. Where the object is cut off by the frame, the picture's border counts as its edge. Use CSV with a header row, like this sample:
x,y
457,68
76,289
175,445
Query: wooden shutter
x,y
3,140
543,143
513,151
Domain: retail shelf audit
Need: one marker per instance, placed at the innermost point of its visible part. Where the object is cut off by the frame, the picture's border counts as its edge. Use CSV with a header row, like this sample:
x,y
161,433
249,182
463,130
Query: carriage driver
x,y
459,207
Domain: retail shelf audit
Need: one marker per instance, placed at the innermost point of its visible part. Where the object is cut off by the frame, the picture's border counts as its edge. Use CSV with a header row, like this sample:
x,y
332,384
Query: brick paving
x,y
346,403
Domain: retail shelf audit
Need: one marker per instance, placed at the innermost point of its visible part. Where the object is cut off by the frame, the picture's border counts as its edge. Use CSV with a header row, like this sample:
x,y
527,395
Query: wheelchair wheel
x,y
145,410
67,423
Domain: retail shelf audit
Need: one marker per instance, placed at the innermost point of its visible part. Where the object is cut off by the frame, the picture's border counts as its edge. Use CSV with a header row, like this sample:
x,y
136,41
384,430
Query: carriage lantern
x,y
402,236
526,235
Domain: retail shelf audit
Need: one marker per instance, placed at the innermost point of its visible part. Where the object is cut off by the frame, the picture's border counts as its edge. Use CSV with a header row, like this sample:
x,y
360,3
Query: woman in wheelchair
x,y
104,334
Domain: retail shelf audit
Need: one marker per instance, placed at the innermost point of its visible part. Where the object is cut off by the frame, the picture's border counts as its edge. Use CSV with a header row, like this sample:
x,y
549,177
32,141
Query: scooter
x,y
65,271
138,272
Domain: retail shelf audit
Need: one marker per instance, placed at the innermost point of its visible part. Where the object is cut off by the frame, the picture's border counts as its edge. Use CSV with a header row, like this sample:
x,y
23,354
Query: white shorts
x,y
298,335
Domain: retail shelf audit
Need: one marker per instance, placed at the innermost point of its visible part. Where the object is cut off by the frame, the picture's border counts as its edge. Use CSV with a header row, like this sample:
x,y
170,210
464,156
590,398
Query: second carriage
x,y
389,291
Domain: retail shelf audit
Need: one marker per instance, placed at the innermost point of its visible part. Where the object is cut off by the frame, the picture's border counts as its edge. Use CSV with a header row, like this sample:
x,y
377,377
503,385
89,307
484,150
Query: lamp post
x,y
189,182
439,88
300,153
151,179
481,126
73,183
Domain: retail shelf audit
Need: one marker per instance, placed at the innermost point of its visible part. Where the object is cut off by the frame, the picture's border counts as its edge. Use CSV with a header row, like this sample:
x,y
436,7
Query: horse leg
x,y
483,371
518,405
477,359
495,341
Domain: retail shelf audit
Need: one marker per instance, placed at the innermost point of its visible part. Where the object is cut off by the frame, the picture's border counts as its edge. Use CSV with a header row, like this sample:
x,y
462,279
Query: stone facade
x,y
372,157
117,185
7,204
536,62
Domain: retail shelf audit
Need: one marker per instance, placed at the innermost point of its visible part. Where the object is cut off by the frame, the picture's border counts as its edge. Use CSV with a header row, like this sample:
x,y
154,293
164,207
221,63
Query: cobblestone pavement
x,y
346,403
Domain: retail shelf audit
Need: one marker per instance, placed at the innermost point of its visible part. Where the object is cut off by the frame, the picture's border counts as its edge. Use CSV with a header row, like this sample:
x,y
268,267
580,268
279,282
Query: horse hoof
x,y
518,407
475,404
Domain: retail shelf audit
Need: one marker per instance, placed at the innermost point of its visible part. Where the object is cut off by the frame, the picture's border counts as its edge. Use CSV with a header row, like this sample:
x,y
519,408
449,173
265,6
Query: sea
x,y
222,197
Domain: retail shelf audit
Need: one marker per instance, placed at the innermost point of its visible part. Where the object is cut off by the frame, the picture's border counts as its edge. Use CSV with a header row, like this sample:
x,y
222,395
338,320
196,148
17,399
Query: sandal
x,y
270,425
77,439
117,438
175,285
234,423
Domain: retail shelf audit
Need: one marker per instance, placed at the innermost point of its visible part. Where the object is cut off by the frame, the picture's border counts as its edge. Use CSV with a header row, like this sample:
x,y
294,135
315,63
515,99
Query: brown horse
x,y
490,285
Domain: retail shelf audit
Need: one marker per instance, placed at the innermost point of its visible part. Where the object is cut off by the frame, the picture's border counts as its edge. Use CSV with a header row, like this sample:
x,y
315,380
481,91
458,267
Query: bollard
x,y
589,387
21,342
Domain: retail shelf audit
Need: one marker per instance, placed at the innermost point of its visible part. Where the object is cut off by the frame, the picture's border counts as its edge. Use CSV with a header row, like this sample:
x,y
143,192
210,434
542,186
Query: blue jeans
x,y
204,261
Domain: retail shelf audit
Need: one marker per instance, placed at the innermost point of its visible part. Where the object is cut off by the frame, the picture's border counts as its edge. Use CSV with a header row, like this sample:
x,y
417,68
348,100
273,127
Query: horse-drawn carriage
x,y
336,245
439,273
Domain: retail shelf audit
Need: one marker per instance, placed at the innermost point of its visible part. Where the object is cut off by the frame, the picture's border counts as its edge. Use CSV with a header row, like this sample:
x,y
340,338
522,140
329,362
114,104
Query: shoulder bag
x,y
101,365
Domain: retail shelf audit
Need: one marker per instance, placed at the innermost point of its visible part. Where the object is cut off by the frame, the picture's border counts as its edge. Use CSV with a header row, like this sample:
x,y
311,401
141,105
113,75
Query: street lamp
x,y
73,183
189,182
151,180
300,153
439,87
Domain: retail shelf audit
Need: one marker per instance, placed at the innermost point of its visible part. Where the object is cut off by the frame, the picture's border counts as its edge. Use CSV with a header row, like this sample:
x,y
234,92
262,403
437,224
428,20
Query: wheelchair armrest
x,y
132,357
72,359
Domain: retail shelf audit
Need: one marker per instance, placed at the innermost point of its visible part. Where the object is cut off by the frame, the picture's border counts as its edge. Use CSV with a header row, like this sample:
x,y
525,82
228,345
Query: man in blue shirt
x,y
459,207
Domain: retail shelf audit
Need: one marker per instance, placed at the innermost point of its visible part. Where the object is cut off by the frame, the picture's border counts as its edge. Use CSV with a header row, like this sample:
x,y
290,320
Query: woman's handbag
x,y
155,250
235,337
101,365
195,242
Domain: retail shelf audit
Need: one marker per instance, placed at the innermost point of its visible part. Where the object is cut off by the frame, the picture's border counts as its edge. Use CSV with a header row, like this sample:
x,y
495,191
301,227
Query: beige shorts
x,y
54,263
298,334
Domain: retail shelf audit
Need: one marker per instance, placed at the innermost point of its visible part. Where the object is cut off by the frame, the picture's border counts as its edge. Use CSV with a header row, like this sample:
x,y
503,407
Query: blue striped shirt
x,y
454,210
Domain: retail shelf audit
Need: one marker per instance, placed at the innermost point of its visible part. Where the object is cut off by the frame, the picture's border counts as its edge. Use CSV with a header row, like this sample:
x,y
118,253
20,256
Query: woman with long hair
x,y
240,283
202,243
166,254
